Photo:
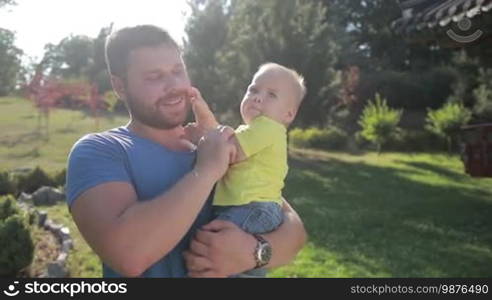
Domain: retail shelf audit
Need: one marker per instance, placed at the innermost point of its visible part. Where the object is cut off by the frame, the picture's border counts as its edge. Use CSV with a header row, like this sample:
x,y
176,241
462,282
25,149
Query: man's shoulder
x,y
109,137
101,141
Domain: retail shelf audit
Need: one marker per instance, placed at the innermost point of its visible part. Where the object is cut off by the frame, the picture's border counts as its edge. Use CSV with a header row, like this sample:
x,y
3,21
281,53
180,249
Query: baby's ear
x,y
290,115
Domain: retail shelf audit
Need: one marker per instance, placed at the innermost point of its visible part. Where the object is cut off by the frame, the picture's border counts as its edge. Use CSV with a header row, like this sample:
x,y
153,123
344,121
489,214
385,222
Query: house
x,y
450,23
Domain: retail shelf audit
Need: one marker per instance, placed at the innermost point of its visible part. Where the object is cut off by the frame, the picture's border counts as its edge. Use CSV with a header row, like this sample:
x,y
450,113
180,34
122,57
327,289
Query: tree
x,y
71,58
482,108
206,30
10,62
379,122
290,32
447,121
4,3
97,72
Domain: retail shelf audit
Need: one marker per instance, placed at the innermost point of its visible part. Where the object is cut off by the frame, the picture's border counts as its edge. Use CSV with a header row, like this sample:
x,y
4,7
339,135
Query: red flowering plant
x,y
47,94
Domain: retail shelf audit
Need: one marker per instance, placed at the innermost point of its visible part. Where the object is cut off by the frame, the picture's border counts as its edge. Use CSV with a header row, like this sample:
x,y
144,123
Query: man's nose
x,y
168,83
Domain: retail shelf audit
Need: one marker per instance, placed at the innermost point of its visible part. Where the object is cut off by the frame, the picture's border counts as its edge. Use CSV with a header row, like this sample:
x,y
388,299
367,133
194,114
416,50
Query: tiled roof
x,y
419,15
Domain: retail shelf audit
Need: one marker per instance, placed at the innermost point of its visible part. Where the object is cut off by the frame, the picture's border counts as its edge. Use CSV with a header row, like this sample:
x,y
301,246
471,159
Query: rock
x,y
62,257
42,217
24,197
67,245
47,195
56,270
65,232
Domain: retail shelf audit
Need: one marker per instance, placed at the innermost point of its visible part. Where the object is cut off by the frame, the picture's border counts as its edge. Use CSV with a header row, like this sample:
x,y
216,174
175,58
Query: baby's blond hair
x,y
297,78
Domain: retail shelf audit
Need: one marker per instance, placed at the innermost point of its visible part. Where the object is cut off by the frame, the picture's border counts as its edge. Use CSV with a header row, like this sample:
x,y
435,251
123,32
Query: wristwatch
x,y
263,251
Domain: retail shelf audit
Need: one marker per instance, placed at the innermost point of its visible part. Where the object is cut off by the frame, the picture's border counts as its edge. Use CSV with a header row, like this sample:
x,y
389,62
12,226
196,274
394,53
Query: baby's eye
x,y
252,90
272,94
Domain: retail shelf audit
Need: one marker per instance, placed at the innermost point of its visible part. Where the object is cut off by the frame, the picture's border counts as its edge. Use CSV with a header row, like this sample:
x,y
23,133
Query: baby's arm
x,y
205,121
204,117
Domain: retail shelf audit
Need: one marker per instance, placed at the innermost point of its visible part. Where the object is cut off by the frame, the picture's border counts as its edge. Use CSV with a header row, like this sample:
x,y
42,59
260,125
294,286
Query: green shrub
x,y
482,109
17,250
379,122
60,178
34,180
6,184
8,207
415,141
331,138
447,121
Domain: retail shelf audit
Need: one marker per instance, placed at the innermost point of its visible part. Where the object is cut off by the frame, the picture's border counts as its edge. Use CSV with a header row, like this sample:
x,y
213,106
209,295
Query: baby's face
x,y
272,93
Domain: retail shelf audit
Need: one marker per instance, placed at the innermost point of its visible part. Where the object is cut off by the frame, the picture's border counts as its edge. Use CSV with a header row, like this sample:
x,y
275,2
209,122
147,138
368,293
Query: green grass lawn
x,y
394,215
22,145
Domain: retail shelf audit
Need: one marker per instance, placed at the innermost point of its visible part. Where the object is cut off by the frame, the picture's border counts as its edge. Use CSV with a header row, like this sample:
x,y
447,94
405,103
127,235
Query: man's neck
x,y
169,138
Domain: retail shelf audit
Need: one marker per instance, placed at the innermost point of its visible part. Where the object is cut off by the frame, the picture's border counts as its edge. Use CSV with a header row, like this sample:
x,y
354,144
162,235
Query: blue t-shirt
x,y
120,155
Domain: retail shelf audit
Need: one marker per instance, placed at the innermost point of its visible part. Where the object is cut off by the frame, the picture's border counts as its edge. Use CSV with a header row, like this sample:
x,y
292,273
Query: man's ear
x,y
119,87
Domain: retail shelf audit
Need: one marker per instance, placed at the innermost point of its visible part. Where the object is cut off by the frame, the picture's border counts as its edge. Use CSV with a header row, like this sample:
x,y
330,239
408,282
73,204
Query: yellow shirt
x,y
260,177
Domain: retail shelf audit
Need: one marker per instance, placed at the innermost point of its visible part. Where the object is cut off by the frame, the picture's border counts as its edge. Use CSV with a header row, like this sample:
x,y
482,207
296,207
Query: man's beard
x,y
153,117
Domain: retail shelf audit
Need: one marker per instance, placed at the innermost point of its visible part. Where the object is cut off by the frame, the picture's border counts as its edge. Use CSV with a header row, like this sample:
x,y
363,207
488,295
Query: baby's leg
x,y
256,217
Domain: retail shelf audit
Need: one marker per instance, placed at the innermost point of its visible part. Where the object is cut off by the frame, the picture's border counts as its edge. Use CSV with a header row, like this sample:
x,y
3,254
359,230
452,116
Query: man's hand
x,y
220,249
204,117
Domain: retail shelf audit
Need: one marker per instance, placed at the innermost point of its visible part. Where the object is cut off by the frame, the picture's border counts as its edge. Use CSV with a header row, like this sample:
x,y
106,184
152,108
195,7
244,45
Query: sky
x,y
38,22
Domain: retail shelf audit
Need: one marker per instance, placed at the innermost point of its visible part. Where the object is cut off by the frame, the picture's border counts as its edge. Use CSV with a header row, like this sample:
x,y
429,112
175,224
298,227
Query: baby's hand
x,y
204,117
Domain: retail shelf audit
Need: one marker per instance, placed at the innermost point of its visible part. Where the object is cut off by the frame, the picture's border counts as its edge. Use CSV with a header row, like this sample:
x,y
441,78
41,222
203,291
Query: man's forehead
x,y
152,57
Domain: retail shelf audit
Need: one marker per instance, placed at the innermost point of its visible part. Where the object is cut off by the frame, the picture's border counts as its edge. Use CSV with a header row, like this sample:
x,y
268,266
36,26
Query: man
x,y
140,195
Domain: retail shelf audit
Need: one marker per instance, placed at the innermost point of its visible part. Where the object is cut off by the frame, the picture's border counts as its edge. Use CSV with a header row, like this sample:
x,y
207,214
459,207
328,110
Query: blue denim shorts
x,y
255,217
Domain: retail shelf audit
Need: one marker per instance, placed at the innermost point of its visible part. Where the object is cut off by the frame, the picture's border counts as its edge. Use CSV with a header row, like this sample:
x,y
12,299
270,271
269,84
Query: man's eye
x,y
253,90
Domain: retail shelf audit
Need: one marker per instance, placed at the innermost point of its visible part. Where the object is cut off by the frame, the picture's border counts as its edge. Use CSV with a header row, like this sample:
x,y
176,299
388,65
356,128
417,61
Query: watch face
x,y
265,253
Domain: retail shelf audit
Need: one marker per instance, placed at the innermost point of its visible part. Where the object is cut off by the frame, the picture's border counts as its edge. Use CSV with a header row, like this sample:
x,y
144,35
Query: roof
x,y
433,15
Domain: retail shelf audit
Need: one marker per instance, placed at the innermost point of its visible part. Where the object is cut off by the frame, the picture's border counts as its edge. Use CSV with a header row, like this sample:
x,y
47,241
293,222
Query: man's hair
x,y
297,78
121,43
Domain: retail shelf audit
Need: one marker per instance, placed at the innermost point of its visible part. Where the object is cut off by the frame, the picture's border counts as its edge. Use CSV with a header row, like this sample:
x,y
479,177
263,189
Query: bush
x,y
379,122
8,207
482,109
17,250
34,180
60,178
415,141
447,121
6,184
331,138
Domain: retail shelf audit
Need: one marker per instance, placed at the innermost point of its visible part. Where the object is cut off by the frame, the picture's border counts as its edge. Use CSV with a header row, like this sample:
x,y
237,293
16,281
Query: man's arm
x,y
222,249
130,235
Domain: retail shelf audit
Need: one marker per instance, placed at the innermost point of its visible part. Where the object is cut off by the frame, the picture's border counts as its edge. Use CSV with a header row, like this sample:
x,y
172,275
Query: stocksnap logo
x,y
464,25
11,290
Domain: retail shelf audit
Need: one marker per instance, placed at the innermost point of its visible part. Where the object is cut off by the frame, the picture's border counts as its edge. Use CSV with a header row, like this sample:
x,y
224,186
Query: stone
x,y
56,270
47,195
64,233
62,257
24,197
42,217
67,245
